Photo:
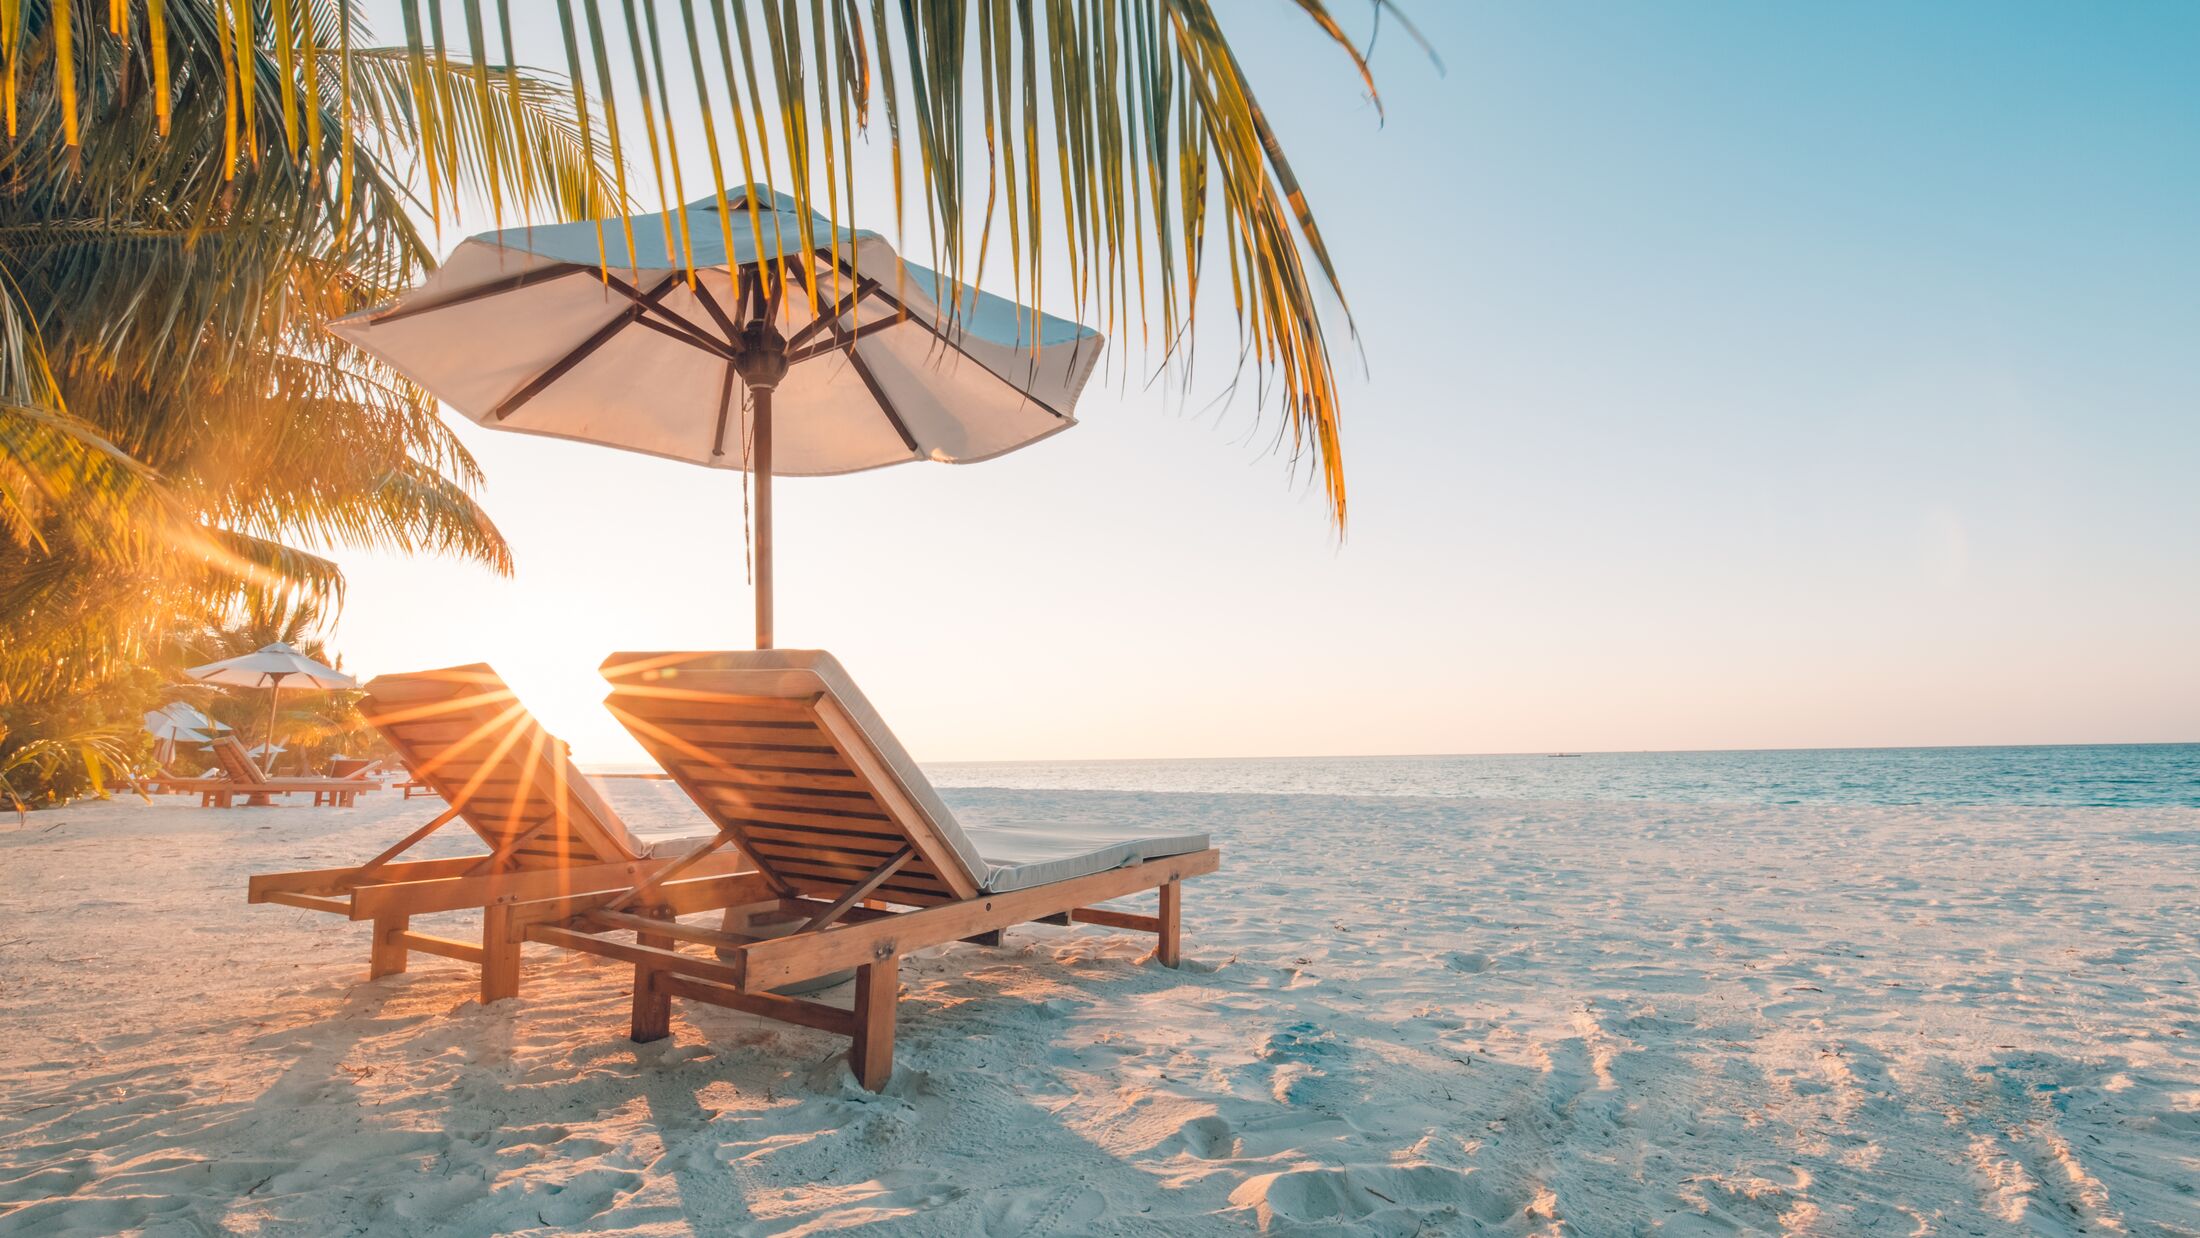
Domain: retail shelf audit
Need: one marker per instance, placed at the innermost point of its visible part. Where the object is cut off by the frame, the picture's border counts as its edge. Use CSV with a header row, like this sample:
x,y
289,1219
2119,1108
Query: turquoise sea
x,y
2101,775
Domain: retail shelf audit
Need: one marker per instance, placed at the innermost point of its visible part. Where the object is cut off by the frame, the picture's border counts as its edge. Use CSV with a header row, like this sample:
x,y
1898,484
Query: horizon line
x,y
1533,752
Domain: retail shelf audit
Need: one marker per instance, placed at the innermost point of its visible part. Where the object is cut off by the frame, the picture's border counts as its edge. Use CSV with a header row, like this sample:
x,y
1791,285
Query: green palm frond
x,y
521,146
99,754
54,467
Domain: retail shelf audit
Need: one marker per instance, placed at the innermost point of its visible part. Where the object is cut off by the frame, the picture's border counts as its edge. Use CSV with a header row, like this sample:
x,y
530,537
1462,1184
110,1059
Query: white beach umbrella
x,y
168,730
525,330
162,727
273,667
194,718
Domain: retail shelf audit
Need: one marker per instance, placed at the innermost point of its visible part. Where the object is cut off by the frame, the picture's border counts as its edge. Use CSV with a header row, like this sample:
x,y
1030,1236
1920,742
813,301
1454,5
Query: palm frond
x,y
522,146
179,435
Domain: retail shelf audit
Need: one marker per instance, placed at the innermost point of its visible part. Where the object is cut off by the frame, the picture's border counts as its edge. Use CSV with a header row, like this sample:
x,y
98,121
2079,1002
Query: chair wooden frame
x,y
739,971
242,776
463,733
863,882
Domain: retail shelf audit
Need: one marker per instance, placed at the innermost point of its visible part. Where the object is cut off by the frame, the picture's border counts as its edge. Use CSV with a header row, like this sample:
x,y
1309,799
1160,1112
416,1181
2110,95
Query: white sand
x,y
1399,1016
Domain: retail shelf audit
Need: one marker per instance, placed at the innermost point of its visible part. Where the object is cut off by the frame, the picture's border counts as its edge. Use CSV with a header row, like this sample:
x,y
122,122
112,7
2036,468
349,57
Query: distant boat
x,y
1562,754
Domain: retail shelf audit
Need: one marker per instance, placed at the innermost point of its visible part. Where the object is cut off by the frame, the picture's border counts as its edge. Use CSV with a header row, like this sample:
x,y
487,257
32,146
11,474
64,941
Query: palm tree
x,y
179,435
177,429
1123,132
313,724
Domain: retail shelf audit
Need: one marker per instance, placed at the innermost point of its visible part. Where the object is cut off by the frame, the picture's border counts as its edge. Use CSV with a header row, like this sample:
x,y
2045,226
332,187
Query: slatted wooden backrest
x,y
236,762
771,750
462,732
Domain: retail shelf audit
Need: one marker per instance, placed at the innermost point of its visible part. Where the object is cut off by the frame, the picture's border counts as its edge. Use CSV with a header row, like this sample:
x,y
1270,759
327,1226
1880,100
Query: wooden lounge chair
x,y
852,849
242,776
464,734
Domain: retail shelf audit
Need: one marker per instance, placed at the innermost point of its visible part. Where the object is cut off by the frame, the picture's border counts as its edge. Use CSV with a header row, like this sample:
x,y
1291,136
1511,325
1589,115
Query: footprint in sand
x,y
1210,1138
1380,1198
1068,1209
1301,1062
1468,961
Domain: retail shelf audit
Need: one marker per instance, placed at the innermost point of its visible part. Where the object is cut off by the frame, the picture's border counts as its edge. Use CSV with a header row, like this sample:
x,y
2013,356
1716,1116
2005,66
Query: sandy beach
x,y
1398,1016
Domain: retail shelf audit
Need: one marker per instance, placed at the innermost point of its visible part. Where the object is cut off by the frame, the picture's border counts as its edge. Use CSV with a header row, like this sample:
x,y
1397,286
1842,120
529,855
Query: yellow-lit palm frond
x,y
178,431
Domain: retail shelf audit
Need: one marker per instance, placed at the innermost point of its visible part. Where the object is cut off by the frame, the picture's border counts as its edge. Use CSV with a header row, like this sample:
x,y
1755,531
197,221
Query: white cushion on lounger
x,y
1018,857
671,848
998,858
801,673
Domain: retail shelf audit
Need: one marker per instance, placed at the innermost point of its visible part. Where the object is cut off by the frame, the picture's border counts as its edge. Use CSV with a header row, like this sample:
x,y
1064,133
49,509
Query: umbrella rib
x,y
878,393
651,304
890,299
725,324
831,321
725,406
821,348
903,311
510,283
563,365
702,343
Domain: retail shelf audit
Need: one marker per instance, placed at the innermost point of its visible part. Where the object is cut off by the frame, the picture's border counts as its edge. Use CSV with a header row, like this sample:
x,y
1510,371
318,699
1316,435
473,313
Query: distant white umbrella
x,y
193,718
872,360
169,729
272,667
161,726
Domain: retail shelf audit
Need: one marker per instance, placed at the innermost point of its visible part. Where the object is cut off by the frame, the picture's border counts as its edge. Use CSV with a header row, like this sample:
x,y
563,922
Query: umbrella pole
x,y
761,465
274,693
760,357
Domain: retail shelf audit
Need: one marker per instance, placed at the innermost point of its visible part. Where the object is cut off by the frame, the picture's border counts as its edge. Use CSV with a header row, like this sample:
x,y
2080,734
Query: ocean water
x,y
2101,775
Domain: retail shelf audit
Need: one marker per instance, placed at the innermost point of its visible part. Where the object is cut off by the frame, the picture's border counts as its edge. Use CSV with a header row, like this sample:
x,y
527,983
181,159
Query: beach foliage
x,y
311,725
89,743
180,436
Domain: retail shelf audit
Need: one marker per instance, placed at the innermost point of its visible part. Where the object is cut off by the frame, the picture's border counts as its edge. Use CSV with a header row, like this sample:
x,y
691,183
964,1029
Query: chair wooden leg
x,y
992,938
1170,949
878,989
499,956
388,954
652,1005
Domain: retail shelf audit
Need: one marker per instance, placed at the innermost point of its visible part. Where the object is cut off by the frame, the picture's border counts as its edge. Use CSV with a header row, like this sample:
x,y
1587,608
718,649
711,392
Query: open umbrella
x,y
272,667
171,725
851,359
193,718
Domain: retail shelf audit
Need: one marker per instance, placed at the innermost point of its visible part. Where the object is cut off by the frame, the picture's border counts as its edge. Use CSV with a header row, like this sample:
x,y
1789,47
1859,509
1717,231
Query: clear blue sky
x,y
1738,375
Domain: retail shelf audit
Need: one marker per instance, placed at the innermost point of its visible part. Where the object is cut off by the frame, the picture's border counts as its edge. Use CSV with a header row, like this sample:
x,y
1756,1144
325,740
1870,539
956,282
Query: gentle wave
x,y
2097,775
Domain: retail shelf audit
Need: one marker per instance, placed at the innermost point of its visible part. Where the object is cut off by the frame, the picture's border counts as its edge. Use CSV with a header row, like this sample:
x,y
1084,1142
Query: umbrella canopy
x,y
170,729
186,715
273,667
852,359
269,666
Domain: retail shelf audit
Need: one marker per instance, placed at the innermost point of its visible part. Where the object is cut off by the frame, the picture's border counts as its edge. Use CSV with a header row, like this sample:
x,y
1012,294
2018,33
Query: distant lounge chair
x,y
241,776
351,780
465,735
798,771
